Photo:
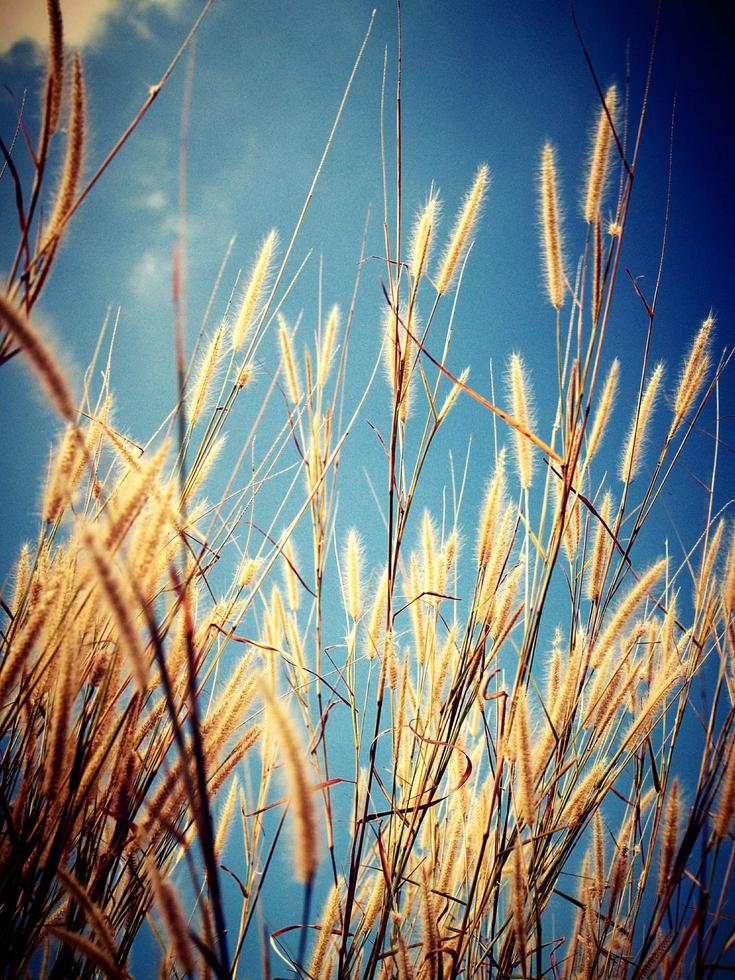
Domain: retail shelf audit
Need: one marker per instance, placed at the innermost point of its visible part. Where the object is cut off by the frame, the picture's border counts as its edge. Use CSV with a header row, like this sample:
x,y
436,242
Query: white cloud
x,y
85,21
155,201
151,273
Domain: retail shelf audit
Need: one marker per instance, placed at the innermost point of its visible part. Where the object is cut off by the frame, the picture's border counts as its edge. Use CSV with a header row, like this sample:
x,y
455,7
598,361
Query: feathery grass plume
x,y
199,473
726,807
618,874
630,460
205,375
150,537
421,239
41,359
584,792
54,67
353,561
25,637
449,555
21,578
240,749
600,156
572,517
327,347
127,762
597,283
247,571
230,707
598,850
601,542
604,410
462,231
625,610
120,601
492,507
577,929
456,833
376,623
131,496
518,891
693,374
645,715
706,575
226,818
405,966
65,691
525,783
522,410
290,370
249,305
329,919
245,375
499,555
658,956
290,578
414,588
389,665
74,159
306,856
727,593
95,916
668,642
551,228
173,918
430,940
669,836
89,950
502,607
59,486
429,556
452,397
398,356
374,903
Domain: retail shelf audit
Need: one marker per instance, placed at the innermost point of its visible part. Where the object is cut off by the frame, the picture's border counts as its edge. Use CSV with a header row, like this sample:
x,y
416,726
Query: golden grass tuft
x,y
464,225
306,836
599,161
551,235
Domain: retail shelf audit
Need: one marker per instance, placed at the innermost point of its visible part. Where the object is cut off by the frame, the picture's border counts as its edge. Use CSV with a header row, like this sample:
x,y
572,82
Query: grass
x,y
460,784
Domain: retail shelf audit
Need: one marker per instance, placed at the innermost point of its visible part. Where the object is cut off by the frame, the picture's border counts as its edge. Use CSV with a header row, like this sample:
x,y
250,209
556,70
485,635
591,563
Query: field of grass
x,y
240,739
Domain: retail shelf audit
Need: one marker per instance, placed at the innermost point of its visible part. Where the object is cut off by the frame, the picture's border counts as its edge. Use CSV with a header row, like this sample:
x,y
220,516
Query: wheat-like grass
x,y
522,410
551,228
599,161
248,309
306,837
464,225
632,455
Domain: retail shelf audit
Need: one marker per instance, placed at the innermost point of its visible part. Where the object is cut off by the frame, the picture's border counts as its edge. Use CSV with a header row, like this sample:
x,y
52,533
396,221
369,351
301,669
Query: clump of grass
x,y
481,745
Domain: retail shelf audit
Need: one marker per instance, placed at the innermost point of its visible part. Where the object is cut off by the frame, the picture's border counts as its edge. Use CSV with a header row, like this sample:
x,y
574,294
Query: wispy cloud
x,y
85,21
151,273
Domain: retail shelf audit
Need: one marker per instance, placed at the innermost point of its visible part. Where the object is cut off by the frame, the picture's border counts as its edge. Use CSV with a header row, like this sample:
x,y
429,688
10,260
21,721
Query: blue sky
x,y
482,82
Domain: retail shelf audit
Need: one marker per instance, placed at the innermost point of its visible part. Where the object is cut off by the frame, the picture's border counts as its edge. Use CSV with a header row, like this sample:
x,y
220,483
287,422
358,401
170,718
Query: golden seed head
x,y
249,309
522,412
462,231
421,239
693,374
631,458
551,228
353,560
600,156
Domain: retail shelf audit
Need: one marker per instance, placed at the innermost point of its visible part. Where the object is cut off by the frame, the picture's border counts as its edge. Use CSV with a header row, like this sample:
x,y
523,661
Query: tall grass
x,y
461,783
